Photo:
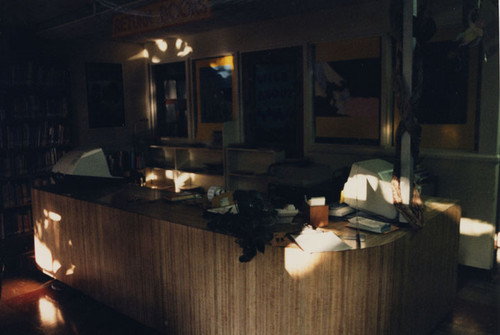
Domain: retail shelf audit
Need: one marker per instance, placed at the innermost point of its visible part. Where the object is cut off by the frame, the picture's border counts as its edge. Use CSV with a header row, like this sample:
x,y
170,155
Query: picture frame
x,y
105,99
448,109
347,87
272,90
216,95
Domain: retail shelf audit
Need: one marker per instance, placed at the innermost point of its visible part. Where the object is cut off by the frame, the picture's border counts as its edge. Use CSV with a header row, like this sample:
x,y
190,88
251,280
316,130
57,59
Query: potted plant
x,y
252,223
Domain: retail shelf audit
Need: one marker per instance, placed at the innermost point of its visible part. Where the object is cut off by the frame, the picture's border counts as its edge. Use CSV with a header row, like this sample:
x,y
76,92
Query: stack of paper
x,y
315,240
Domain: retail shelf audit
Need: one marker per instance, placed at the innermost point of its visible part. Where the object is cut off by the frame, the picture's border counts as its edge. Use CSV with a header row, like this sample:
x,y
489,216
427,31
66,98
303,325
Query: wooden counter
x,y
157,263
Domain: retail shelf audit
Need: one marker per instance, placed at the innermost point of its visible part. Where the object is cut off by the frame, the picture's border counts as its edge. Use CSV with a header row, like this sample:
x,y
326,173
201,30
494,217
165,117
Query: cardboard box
x,y
318,216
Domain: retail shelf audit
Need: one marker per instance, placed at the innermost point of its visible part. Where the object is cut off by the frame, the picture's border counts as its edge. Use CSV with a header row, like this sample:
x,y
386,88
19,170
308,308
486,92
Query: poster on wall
x,y
105,95
215,95
347,91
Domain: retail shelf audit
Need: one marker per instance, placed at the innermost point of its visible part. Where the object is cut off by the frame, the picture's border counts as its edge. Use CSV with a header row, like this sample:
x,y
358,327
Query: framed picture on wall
x,y
272,99
448,102
347,91
215,89
105,95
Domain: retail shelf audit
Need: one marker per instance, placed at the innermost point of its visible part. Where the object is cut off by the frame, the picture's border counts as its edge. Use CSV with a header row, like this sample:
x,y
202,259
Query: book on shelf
x,y
16,223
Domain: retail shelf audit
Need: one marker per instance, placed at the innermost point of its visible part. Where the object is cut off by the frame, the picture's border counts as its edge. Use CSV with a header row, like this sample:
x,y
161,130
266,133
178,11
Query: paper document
x,y
315,240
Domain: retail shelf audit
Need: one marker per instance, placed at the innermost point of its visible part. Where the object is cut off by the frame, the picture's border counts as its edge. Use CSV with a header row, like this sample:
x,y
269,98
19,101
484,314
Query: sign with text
x,y
159,15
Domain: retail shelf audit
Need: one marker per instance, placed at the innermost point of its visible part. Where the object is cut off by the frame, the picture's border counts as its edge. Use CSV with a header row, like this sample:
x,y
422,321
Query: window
x,y
171,103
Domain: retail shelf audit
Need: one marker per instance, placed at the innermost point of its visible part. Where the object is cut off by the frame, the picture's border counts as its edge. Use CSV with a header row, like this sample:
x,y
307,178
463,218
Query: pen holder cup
x,y
318,216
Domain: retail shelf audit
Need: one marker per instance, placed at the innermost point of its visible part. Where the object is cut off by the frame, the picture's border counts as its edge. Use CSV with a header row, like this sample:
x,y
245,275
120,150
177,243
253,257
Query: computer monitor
x,y
368,188
88,163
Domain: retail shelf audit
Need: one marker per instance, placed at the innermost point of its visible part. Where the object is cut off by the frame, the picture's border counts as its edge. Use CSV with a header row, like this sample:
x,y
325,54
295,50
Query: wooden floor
x,y
32,303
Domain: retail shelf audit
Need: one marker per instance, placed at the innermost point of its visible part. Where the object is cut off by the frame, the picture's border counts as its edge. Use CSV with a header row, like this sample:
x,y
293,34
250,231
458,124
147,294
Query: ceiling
x,y
70,19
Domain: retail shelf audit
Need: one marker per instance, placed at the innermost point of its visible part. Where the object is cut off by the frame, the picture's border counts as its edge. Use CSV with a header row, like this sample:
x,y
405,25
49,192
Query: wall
x,y
136,93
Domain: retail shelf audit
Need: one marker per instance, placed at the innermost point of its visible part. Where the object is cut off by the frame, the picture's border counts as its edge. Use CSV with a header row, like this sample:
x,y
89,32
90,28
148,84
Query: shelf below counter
x,y
158,264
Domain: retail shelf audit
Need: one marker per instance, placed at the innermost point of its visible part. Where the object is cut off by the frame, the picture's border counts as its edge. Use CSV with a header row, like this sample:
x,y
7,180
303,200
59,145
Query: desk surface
x,y
149,202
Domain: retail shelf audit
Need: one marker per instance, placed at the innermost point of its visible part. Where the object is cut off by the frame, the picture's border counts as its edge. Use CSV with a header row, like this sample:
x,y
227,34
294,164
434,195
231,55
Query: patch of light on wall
x,y
155,59
161,44
144,54
299,263
477,228
178,44
183,47
50,315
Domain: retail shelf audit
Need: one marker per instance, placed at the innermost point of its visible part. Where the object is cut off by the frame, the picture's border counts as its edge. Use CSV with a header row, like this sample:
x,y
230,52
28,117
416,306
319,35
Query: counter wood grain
x,y
182,279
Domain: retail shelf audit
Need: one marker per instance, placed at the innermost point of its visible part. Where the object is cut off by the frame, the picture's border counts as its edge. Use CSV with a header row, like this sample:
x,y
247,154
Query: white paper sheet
x,y
314,240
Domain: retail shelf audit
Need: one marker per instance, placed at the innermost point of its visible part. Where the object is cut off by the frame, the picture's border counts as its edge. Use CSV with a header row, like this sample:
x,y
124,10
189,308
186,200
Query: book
x,y
368,224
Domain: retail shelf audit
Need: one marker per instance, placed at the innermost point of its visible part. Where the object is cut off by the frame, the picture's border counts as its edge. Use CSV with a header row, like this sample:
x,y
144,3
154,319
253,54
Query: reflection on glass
x,y
216,93
171,104
215,90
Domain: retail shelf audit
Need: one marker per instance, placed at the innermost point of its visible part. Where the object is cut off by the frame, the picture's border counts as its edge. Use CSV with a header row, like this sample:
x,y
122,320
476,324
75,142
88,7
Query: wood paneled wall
x,y
186,280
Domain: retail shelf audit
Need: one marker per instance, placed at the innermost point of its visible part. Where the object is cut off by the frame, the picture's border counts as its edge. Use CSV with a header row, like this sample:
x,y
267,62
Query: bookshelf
x,y
34,134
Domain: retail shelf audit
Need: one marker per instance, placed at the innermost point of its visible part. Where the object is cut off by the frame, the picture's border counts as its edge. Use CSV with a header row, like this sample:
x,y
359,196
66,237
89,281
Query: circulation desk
x,y
157,263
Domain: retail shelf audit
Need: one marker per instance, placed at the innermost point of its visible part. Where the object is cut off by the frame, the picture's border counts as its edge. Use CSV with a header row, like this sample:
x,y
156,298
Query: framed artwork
x,y
105,95
272,99
448,103
347,91
215,95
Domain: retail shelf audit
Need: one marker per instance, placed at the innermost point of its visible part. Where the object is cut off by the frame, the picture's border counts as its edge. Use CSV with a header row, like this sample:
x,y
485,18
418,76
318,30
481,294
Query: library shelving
x,y
34,134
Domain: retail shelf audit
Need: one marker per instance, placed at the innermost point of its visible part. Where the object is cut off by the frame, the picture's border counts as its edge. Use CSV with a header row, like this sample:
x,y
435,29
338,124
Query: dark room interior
x,y
249,167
